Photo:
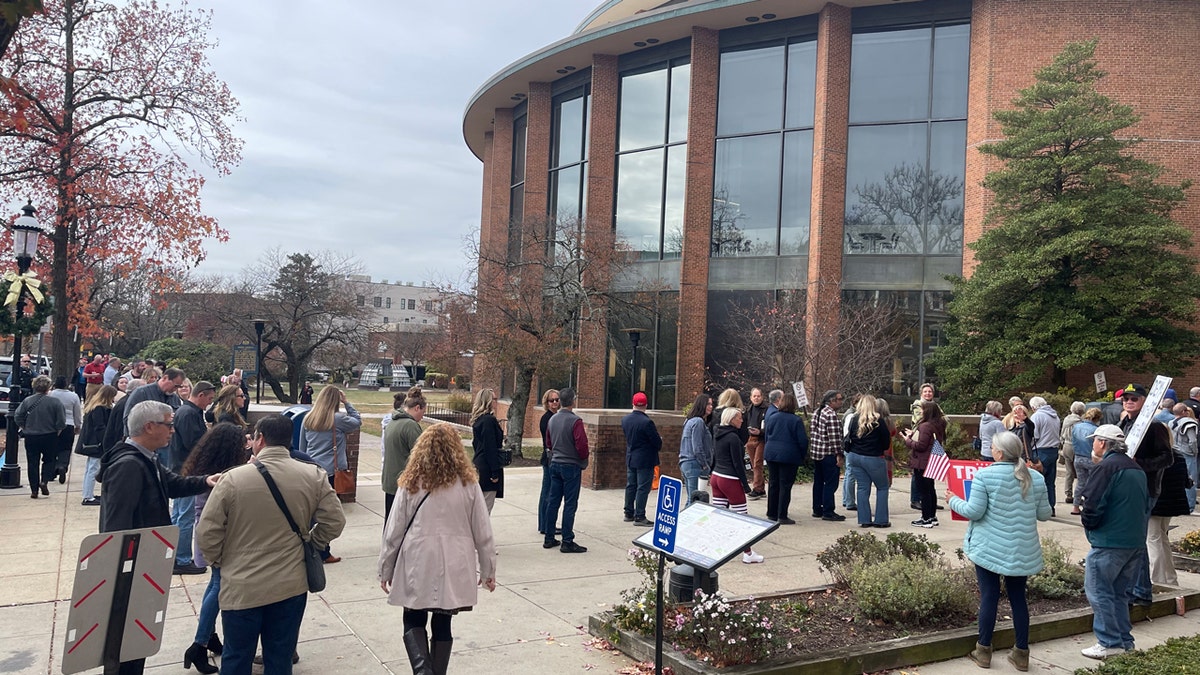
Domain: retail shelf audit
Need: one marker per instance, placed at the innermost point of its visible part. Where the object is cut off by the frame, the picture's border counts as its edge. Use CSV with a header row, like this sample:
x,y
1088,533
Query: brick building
x,y
747,148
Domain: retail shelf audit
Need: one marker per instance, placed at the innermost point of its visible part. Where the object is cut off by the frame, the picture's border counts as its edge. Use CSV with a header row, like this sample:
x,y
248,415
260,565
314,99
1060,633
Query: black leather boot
x,y
440,654
197,655
214,644
416,643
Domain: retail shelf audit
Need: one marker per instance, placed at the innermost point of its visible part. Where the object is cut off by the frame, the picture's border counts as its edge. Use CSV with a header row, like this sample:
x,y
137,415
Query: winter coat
x,y
1183,436
1024,431
434,565
1046,427
328,447
1172,501
398,441
642,440
989,426
1079,438
729,456
1115,503
921,443
1002,536
873,444
787,442
696,443
487,440
40,414
136,490
91,435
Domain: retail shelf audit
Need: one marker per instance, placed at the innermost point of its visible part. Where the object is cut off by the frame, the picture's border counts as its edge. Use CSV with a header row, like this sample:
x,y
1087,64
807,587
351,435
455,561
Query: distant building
x,y
398,305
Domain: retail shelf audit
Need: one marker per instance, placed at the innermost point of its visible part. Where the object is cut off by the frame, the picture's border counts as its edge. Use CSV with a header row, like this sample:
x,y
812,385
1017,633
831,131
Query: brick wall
x,y
606,468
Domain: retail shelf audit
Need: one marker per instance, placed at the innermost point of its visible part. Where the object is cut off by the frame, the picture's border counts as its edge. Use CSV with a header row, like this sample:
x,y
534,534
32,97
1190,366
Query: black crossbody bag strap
x,y
414,517
278,498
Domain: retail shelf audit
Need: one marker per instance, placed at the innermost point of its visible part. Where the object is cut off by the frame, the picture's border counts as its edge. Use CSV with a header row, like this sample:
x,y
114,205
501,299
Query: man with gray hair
x,y
1116,505
1046,428
1193,401
136,486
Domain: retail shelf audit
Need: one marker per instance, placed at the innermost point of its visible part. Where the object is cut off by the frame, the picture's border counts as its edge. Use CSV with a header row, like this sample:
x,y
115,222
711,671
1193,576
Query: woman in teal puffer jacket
x,y
1006,501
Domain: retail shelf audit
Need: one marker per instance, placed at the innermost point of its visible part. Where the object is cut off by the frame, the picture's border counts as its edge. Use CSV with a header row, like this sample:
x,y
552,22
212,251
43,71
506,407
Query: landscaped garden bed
x,y
894,603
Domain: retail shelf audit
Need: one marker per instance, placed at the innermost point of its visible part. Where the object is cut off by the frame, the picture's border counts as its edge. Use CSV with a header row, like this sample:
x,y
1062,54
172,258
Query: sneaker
x,y
752,558
551,543
628,519
92,501
258,659
834,517
1099,651
755,495
572,547
189,568
919,522
642,522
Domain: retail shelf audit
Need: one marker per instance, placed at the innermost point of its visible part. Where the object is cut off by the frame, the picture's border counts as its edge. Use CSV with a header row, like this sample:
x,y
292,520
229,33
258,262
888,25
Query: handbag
x,y
506,456
314,567
344,480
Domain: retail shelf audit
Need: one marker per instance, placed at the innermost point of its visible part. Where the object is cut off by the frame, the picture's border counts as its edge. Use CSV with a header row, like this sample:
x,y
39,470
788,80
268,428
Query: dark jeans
x,y
637,491
278,625
40,458
779,489
564,489
825,482
989,598
1049,459
63,447
544,498
926,494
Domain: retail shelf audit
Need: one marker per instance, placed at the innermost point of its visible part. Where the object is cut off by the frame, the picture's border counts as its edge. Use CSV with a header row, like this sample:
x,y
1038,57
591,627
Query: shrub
x,y
459,402
1060,577
911,592
856,549
723,634
638,611
1190,544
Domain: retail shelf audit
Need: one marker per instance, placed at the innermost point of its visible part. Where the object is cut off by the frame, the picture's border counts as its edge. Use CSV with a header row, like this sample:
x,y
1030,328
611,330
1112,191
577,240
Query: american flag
x,y
939,463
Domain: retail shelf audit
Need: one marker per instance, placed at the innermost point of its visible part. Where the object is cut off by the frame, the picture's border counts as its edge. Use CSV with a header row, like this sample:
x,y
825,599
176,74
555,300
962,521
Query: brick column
x,y
980,128
830,129
601,192
697,213
537,153
493,226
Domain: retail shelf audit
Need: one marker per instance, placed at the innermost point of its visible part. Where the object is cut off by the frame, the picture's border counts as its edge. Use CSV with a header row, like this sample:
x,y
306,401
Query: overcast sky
x,y
353,124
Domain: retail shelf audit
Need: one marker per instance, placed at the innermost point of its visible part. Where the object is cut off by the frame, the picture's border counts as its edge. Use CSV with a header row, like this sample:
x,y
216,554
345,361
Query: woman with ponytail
x,y
1007,501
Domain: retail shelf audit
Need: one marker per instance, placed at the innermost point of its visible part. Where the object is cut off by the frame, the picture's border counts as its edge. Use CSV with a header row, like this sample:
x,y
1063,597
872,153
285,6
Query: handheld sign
x,y
960,476
1149,409
666,520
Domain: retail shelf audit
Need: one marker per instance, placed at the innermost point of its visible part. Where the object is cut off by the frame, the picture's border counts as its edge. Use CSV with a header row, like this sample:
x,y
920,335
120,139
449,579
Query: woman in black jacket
x,y
1172,501
96,412
487,440
866,443
728,480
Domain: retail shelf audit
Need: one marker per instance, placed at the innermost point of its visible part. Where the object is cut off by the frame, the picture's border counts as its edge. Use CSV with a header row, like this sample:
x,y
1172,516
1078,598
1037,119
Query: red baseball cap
x,y
640,399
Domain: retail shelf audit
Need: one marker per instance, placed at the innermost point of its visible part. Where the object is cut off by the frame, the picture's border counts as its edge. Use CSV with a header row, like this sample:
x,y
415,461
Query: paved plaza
x,y
533,623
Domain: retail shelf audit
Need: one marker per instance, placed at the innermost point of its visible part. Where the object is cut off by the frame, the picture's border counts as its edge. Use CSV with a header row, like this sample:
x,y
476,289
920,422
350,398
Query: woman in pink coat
x,y
437,534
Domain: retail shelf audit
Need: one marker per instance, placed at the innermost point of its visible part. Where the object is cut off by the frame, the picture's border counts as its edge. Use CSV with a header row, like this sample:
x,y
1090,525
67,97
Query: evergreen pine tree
x,y
1082,264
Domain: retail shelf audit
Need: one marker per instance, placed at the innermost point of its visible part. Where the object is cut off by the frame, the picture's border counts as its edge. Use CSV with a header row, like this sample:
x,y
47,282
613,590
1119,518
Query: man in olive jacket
x,y
264,586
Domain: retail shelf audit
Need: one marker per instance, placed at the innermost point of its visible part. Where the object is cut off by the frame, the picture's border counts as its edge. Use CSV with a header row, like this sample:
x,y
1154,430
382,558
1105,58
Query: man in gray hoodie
x,y
1046,429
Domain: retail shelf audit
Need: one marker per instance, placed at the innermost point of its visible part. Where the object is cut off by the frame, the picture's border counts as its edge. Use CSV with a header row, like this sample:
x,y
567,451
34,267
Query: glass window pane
x,y
643,109
797,193
951,56
587,125
516,214
568,132
801,84
746,196
666,341
681,84
947,166
673,207
564,190
885,179
750,95
889,76
518,151
639,201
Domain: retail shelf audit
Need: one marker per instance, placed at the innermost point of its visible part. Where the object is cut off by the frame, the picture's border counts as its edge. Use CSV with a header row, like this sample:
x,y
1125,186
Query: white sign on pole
x,y
1101,383
1149,409
801,396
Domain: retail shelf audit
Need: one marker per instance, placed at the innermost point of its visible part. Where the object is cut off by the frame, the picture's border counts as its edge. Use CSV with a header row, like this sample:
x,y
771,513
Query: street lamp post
x,y
25,240
259,325
635,336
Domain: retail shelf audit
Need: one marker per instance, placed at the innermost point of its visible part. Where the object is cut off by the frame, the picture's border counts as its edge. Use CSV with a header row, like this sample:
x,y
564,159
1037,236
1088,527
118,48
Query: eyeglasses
x,y
170,425
554,400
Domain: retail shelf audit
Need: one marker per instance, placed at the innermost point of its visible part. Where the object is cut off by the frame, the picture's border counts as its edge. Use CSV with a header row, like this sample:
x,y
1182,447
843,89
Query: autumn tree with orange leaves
x,y
116,102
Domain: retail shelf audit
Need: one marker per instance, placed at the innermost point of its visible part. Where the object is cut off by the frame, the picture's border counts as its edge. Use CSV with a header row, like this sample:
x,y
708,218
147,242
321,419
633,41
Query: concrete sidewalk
x,y
533,623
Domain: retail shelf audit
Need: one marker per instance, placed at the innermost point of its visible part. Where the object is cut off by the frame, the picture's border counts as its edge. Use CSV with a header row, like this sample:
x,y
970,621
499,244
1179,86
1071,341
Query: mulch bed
x,y
832,621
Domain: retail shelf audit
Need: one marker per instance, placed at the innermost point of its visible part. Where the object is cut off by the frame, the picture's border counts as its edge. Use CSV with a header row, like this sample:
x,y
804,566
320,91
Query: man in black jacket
x,y
756,414
189,428
136,487
642,443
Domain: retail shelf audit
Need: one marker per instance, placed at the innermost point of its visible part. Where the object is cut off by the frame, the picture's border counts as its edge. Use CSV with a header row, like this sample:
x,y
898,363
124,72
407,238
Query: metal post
x,y
10,474
658,622
259,325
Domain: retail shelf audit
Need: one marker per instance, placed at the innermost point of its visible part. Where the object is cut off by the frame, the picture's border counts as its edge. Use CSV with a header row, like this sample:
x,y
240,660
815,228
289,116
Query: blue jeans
x,y
89,477
637,491
825,480
868,471
278,625
1191,492
564,488
209,606
1083,471
543,498
691,471
989,599
1142,589
183,516
1107,580
849,487
1049,459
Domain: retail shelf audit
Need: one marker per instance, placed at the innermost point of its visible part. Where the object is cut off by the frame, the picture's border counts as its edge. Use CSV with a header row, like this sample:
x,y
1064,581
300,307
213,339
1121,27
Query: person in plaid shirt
x,y
825,450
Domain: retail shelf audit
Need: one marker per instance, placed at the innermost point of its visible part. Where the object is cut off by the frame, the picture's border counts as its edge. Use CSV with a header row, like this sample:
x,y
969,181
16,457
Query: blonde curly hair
x,y
437,460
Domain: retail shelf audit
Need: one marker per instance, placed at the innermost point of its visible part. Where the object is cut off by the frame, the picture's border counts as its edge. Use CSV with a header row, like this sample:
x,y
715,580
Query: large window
x,y
763,188
652,159
516,204
656,317
568,155
906,156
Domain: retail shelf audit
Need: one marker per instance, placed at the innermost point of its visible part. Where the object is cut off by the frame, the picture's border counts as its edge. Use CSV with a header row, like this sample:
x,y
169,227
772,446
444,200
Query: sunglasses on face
x,y
554,400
